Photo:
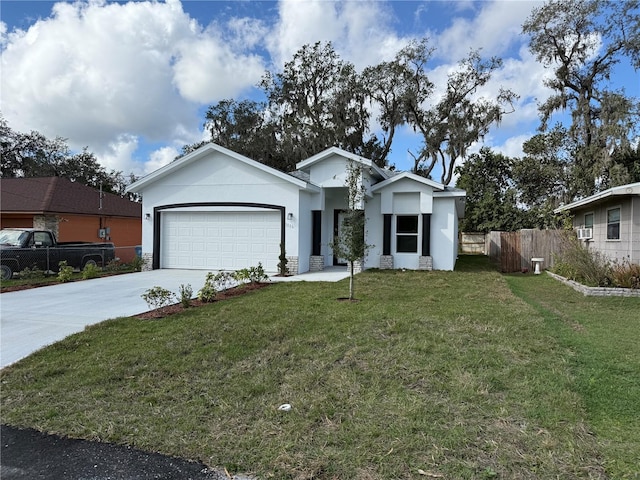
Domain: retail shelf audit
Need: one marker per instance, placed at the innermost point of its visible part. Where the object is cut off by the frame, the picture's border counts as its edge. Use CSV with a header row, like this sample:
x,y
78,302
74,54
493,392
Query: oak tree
x,y
582,41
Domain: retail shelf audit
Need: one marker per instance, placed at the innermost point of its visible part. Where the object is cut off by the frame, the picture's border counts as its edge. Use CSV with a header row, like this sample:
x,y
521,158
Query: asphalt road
x,y
29,455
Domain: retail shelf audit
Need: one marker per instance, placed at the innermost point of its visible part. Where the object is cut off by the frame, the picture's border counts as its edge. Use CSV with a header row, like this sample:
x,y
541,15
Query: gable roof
x,y
203,152
407,175
631,189
318,157
47,195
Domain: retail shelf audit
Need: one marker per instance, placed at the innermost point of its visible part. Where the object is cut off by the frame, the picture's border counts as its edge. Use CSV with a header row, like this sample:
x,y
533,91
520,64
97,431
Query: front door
x,y
338,220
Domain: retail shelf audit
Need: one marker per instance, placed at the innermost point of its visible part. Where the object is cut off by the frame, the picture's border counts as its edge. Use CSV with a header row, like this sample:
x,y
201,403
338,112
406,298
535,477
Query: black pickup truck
x,y
31,248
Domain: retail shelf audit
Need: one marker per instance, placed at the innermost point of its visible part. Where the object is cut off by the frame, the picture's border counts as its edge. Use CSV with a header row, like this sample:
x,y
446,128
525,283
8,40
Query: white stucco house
x,y
214,209
609,221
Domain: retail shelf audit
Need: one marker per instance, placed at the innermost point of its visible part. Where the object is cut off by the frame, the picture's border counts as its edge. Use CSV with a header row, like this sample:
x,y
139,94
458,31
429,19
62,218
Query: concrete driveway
x,y
31,319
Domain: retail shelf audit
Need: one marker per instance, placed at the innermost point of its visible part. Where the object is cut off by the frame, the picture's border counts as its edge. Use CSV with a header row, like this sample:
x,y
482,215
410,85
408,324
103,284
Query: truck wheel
x,y
5,272
90,262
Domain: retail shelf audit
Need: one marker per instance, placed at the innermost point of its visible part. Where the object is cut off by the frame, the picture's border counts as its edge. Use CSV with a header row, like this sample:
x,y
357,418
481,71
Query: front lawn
x,y
430,374
603,336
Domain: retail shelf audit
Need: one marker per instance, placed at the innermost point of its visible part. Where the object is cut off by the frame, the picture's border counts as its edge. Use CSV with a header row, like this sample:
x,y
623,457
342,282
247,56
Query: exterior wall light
x,y
147,216
290,216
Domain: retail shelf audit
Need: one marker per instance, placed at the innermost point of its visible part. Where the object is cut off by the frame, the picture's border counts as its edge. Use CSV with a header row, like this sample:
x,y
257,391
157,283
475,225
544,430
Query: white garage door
x,y
220,240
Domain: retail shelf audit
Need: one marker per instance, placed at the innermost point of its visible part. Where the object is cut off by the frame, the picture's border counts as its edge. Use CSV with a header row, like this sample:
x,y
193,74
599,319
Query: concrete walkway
x,y
31,319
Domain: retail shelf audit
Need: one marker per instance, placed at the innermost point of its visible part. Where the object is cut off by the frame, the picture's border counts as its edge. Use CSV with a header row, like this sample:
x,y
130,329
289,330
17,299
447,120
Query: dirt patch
x,y
195,303
347,299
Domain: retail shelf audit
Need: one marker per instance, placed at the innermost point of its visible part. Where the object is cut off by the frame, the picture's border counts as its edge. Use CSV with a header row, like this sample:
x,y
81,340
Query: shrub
x,y
208,291
90,270
113,265
626,274
65,272
137,263
31,273
186,292
158,297
224,280
251,274
579,263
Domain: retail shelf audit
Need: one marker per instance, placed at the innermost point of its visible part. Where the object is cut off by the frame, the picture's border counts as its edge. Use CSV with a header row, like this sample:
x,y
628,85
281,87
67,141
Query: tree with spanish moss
x,y
582,41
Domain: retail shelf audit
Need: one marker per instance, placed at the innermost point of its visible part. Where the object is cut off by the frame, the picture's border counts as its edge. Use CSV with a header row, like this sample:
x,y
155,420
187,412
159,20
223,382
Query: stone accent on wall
x,y
425,263
386,262
357,266
292,265
147,259
316,263
597,291
47,222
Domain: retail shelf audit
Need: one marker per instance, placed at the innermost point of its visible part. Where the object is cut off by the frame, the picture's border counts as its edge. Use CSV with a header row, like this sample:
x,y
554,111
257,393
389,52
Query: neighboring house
x,y
609,221
217,210
73,211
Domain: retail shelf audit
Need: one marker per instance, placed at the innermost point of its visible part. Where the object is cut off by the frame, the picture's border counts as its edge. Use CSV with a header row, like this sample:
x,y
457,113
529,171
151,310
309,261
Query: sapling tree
x,y
350,242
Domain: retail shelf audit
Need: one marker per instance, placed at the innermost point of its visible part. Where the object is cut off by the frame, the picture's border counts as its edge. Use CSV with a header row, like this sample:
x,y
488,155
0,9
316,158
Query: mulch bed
x,y
177,307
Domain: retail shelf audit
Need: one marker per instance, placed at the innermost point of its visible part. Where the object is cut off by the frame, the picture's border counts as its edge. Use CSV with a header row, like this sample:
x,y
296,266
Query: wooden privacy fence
x,y
472,243
513,251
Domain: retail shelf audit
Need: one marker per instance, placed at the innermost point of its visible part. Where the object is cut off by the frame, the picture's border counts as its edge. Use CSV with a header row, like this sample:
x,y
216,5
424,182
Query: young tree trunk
x,y
351,281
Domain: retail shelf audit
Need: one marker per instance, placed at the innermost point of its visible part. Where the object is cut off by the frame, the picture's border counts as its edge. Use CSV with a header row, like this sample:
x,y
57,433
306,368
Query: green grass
x,y
449,373
603,335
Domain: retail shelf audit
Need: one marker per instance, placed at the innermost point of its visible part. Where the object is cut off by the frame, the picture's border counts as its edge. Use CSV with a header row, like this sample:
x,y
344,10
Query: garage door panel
x,y
220,240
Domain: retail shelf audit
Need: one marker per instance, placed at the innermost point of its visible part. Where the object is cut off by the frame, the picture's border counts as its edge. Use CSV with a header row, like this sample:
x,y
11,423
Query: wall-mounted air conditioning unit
x,y
585,233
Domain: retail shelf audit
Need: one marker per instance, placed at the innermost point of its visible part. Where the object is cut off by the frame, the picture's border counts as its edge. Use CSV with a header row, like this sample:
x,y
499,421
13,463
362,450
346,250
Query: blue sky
x,y
132,80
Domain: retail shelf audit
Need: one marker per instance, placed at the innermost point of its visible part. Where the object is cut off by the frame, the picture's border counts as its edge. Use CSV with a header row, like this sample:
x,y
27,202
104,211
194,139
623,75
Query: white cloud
x,y
208,71
493,29
359,30
117,154
160,158
246,33
98,72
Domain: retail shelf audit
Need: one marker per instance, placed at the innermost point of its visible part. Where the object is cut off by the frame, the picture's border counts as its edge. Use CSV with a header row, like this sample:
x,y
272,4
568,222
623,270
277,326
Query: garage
x,y
227,240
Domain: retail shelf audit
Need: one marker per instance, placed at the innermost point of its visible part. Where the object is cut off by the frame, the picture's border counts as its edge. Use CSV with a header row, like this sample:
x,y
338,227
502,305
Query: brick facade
x,y
316,263
292,265
386,262
425,263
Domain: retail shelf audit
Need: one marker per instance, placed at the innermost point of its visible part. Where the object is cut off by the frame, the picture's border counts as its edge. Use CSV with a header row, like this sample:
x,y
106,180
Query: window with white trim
x,y
613,224
407,234
588,220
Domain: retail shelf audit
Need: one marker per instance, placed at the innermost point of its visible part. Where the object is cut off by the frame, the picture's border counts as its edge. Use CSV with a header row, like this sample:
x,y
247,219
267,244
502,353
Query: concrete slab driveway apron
x,y
32,319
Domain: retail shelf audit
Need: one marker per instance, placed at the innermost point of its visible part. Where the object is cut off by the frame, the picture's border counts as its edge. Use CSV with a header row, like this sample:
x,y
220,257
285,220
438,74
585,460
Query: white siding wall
x,y
444,234
302,226
331,172
221,179
444,226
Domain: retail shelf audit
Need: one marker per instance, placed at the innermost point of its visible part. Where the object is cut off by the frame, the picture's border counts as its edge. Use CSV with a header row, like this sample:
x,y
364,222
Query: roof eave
x,y
138,186
411,176
620,191
343,153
